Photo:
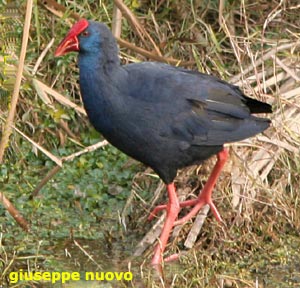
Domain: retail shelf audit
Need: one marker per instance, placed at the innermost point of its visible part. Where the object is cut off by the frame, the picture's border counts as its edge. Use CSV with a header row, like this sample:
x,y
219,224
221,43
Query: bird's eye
x,y
85,33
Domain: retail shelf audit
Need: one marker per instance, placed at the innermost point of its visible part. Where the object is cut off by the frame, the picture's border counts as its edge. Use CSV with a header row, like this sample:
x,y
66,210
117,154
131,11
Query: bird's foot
x,y
174,207
197,203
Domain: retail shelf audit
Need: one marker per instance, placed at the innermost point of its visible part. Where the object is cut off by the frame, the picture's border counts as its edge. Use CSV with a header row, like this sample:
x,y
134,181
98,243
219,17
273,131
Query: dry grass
x,y
254,45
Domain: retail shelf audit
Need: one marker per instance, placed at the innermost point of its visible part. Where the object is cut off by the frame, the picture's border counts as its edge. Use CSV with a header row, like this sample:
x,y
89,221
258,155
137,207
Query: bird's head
x,y
85,36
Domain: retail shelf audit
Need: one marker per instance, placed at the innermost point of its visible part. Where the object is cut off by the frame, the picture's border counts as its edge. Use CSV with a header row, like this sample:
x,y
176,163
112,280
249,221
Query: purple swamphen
x,y
163,116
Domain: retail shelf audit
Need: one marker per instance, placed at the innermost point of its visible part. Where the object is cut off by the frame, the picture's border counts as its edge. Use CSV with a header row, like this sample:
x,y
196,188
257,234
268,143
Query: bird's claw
x,y
197,203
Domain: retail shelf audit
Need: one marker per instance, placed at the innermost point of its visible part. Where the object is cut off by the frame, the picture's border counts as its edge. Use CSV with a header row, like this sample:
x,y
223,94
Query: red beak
x,y
70,42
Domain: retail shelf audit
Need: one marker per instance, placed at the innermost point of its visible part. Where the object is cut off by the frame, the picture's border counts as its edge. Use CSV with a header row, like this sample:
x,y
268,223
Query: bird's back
x,y
194,107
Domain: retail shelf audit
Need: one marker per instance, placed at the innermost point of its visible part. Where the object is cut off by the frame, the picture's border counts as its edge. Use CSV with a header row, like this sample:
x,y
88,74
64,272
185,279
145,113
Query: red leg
x,y
205,195
173,209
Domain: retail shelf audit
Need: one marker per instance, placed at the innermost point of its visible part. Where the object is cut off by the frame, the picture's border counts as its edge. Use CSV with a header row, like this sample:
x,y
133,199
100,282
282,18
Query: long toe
x,y
197,207
156,210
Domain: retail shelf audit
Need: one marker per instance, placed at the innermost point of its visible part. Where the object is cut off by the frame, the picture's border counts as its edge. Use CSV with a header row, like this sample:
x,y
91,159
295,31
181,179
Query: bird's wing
x,y
195,108
215,123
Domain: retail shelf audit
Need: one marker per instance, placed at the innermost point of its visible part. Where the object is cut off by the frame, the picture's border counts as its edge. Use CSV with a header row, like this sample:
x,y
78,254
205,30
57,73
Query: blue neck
x,y
98,80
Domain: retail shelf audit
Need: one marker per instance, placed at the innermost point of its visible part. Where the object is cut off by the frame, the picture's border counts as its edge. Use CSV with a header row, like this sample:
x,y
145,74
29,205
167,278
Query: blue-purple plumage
x,y
164,116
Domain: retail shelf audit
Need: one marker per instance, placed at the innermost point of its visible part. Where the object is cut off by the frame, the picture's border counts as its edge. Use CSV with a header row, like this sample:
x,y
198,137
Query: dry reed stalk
x,y
15,97
14,212
116,27
43,89
135,24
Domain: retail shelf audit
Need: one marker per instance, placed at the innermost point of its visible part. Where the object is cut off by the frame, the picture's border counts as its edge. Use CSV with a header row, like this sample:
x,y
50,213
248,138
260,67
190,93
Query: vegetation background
x,y
85,204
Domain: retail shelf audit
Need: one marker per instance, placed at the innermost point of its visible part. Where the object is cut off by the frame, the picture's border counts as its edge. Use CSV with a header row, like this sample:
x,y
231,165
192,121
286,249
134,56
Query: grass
x,y
91,215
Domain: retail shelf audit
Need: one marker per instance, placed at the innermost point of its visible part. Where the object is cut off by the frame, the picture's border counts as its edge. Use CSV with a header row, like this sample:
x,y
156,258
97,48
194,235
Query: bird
x,y
164,116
